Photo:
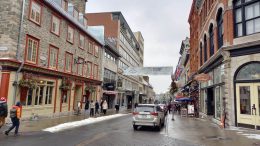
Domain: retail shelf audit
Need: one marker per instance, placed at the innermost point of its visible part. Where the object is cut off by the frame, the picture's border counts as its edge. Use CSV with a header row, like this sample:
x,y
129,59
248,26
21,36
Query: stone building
x,y
49,61
224,36
117,28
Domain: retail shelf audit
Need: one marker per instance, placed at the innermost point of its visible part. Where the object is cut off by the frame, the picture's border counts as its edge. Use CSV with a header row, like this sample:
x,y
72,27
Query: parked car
x,y
148,115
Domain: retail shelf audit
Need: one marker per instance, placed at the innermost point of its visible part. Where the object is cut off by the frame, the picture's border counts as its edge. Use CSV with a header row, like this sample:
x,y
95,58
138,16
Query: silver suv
x,y
148,115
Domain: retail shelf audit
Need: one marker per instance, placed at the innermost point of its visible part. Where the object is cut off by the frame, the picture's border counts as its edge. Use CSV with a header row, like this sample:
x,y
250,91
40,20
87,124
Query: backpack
x,y
13,113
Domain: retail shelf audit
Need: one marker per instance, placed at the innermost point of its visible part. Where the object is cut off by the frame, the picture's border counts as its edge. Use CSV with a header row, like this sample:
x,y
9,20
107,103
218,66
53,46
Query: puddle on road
x,y
216,138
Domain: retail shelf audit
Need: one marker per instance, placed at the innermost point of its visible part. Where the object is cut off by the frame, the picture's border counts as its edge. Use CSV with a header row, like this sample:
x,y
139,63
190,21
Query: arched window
x,y
249,72
247,17
220,28
211,40
201,60
205,48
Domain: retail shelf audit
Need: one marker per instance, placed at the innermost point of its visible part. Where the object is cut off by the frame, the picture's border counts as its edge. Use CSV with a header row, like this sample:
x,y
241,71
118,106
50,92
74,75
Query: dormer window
x,y
62,3
75,13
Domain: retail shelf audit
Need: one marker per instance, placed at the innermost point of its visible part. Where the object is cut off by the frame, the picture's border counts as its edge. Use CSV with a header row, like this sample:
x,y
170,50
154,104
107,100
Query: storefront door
x,y
248,105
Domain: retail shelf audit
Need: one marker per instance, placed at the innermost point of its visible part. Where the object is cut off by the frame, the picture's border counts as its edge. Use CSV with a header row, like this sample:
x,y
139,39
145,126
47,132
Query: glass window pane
x,y
249,72
245,102
239,29
257,25
257,9
238,15
248,0
249,12
238,2
250,27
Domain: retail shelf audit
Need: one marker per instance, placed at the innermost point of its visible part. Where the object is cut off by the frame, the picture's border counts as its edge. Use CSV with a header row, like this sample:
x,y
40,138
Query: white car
x,y
148,115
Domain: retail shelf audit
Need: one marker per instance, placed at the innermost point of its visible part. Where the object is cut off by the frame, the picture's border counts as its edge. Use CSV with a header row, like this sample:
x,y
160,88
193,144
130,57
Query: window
x,y
81,41
55,25
205,48
89,69
201,60
35,12
64,5
96,51
80,67
247,17
70,36
42,94
85,22
95,72
90,48
53,57
220,28
68,62
32,50
211,40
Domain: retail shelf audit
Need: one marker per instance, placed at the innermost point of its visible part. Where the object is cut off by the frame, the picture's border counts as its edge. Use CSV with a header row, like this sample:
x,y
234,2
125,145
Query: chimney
x,y
80,5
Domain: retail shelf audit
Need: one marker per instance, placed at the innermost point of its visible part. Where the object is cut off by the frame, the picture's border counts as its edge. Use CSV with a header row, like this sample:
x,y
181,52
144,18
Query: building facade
x,y
49,61
225,56
117,28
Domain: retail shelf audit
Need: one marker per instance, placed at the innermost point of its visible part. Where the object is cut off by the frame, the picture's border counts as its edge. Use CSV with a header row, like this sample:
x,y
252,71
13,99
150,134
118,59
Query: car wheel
x,y
135,127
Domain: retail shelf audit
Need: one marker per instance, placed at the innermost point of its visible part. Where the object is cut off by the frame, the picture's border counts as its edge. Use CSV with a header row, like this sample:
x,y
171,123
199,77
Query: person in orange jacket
x,y
15,115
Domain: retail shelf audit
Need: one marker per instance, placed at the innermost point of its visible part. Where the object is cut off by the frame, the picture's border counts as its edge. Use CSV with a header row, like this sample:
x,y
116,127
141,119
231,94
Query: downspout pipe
x,y
18,52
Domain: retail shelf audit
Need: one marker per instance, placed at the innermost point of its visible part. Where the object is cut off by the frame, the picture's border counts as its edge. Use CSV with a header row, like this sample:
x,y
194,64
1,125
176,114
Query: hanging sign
x,y
202,77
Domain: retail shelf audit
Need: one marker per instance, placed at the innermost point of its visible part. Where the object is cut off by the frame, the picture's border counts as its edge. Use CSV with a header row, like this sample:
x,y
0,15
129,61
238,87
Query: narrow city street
x,y
119,132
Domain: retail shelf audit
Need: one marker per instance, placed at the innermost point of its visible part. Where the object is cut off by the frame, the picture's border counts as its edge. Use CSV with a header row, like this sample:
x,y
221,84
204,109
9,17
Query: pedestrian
x,y
136,104
117,108
86,107
173,108
3,111
92,107
96,107
78,110
101,106
104,106
15,115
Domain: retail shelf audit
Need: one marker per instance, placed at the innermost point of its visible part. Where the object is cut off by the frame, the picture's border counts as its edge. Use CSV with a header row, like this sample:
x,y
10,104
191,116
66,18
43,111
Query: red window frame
x,y
72,34
82,66
57,60
26,48
71,56
54,15
95,71
91,67
90,47
82,47
96,53
30,10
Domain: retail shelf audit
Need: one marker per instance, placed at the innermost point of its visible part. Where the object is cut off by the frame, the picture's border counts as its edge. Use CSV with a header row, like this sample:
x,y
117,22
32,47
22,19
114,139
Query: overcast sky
x,y
163,23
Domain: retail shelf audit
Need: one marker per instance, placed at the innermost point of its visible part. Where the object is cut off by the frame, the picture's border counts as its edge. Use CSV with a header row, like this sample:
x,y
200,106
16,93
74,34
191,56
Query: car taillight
x,y
154,113
135,113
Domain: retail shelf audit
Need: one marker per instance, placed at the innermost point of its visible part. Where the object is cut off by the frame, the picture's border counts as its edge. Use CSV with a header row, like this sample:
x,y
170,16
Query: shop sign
x,y
202,77
190,109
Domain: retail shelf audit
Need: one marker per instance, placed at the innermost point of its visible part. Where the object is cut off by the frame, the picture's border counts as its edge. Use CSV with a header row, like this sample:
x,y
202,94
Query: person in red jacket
x,y
3,111
15,115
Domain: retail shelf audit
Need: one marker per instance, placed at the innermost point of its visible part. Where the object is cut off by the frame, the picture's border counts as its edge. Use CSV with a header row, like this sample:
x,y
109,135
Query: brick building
x,y
49,61
224,36
117,28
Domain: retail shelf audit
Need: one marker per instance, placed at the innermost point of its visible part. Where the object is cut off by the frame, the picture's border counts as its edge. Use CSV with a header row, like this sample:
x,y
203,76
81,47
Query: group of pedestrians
x,y
93,108
15,115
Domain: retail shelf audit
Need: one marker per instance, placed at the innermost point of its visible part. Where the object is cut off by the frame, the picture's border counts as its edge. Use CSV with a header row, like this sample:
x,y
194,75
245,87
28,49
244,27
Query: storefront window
x,y
245,102
249,72
42,94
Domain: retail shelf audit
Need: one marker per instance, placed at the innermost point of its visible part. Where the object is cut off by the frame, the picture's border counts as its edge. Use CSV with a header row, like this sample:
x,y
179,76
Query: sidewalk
x,y
38,125
204,132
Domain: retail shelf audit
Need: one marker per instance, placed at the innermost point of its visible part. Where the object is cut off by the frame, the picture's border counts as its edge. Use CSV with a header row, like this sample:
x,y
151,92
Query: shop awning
x,y
109,92
184,99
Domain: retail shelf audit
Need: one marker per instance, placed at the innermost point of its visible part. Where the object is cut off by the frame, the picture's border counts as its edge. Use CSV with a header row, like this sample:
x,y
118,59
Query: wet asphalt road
x,y
115,132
